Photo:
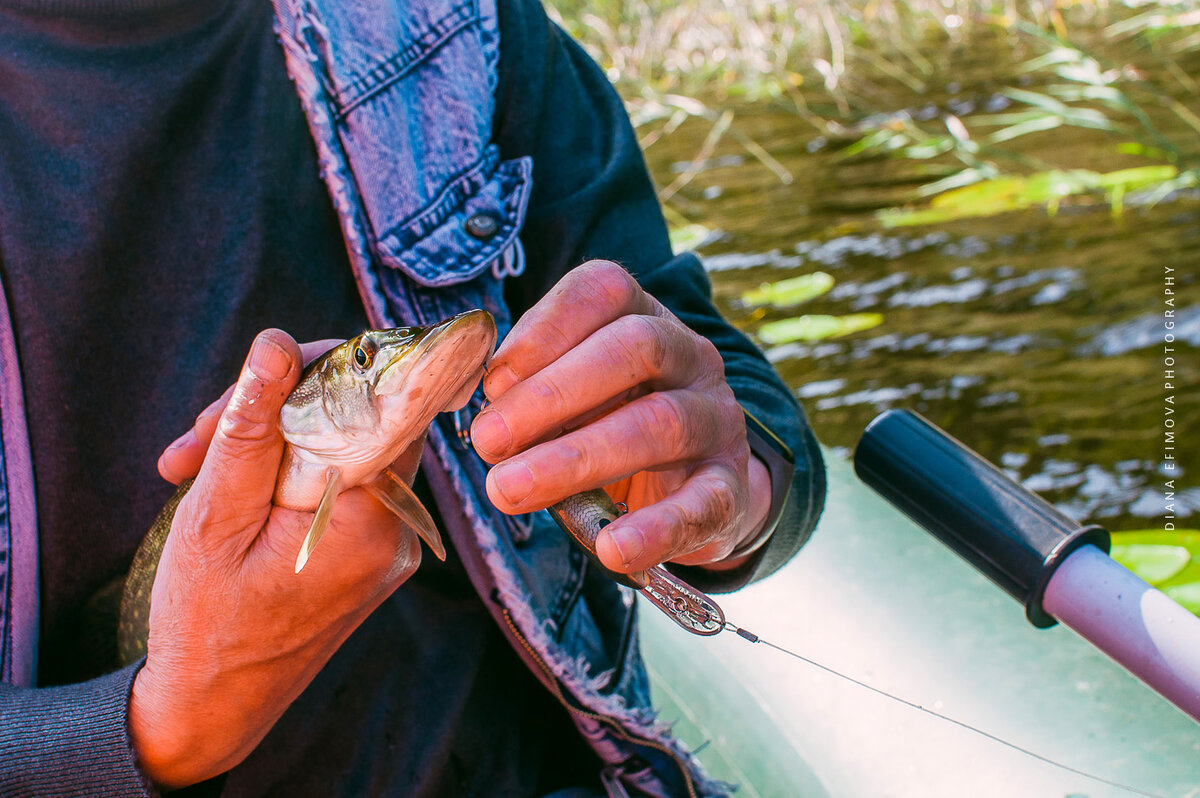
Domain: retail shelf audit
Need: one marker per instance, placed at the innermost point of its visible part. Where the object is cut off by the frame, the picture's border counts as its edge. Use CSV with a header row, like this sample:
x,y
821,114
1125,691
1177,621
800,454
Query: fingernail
x,y
163,470
268,360
490,431
514,481
630,543
498,380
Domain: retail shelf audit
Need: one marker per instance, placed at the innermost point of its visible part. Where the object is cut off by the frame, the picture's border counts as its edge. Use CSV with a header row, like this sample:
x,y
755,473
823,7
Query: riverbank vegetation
x,y
1123,70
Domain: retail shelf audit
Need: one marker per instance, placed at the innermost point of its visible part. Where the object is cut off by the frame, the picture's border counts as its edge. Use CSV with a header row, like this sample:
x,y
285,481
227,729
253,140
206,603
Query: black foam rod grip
x,y
1013,536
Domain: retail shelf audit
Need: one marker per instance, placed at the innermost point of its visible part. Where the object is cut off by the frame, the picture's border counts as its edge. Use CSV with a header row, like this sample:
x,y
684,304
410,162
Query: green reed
x,y
840,65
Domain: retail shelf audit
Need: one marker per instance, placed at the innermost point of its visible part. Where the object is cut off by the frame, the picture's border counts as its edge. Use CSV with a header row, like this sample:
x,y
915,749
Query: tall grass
x,y
841,64
766,49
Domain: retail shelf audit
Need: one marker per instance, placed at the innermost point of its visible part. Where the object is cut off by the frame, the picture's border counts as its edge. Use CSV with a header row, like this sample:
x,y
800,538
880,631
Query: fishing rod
x,y
1057,568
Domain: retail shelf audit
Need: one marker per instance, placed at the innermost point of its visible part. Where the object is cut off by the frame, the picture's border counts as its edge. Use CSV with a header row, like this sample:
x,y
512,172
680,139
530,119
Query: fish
x,y
354,411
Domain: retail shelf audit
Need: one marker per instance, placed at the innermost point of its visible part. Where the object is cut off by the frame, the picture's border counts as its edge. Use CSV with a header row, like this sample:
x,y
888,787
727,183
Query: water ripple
x,y
1144,332
958,293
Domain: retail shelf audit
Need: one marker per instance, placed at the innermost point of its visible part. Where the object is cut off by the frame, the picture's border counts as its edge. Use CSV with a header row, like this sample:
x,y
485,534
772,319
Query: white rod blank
x,y
1146,632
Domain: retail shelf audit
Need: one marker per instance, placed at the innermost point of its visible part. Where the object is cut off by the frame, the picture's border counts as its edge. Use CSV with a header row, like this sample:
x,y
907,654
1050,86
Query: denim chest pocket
x,y
411,95
459,237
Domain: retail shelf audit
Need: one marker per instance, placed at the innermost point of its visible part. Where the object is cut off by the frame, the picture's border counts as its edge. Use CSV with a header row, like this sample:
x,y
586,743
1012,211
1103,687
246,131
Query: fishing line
x,y
746,634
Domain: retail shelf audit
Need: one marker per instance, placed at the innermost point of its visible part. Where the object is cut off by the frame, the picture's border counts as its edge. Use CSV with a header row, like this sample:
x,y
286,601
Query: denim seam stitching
x,y
382,75
514,173
443,206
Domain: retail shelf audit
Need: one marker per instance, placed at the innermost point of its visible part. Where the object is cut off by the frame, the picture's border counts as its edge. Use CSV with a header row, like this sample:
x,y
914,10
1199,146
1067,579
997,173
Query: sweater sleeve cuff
x,y
795,525
70,740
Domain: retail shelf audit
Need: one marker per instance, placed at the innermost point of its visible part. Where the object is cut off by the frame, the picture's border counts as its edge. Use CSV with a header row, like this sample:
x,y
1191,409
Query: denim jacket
x,y
400,101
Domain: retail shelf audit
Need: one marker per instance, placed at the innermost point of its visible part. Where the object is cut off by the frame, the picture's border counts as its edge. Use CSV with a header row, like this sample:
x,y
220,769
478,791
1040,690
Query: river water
x,y
1036,338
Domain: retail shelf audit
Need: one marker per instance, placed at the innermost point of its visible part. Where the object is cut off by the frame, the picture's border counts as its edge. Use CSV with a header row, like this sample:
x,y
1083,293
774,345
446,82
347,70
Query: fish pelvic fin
x,y
395,494
321,518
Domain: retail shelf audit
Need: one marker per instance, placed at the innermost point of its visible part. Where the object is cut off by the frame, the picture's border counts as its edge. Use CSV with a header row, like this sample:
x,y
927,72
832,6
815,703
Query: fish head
x,y
363,402
443,365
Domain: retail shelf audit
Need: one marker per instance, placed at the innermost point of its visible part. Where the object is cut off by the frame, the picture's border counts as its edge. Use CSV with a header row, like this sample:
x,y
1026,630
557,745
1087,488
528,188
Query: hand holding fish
x,y
599,385
237,634
181,460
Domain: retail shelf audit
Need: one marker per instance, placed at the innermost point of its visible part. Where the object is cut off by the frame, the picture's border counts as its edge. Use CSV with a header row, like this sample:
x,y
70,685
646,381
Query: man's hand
x,y
599,385
235,634
183,457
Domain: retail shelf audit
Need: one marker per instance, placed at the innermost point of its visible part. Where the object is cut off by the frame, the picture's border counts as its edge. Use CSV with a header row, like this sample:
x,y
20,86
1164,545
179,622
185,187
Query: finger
x,y
365,543
237,480
662,430
183,458
694,525
587,298
312,350
634,354
374,539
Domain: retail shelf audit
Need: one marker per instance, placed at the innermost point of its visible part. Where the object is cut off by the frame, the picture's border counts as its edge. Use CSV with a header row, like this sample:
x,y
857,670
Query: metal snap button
x,y
481,225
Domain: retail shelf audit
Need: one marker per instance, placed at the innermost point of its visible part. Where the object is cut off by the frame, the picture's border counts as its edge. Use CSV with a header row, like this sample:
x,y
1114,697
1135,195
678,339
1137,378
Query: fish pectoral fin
x,y
321,518
397,496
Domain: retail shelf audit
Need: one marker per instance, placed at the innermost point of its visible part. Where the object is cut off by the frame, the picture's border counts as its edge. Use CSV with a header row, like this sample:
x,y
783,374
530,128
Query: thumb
x,y
237,480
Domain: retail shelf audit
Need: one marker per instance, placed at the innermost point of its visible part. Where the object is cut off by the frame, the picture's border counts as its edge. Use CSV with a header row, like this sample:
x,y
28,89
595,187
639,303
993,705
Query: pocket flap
x,y
476,217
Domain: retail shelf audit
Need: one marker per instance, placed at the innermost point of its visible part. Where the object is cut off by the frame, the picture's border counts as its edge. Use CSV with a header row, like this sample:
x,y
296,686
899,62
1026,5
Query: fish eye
x,y
364,353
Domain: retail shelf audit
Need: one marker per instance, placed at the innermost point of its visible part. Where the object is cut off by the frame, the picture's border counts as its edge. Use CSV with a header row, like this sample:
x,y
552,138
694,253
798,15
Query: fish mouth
x,y
457,347
463,325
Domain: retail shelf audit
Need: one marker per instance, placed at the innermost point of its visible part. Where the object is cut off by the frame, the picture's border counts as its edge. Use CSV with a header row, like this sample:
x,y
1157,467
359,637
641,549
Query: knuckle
x,y
723,503
576,453
687,529
664,419
551,336
652,344
549,393
201,518
405,559
709,358
606,283
239,424
639,346
739,456
730,417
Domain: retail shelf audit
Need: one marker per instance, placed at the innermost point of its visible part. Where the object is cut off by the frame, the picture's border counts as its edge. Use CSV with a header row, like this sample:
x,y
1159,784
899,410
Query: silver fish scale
x,y
589,511
582,516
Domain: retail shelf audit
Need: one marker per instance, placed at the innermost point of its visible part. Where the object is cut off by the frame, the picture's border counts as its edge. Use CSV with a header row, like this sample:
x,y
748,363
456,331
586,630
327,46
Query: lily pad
x,y
816,327
689,237
1013,193
789,292
1187,595
1156,563
1187,538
